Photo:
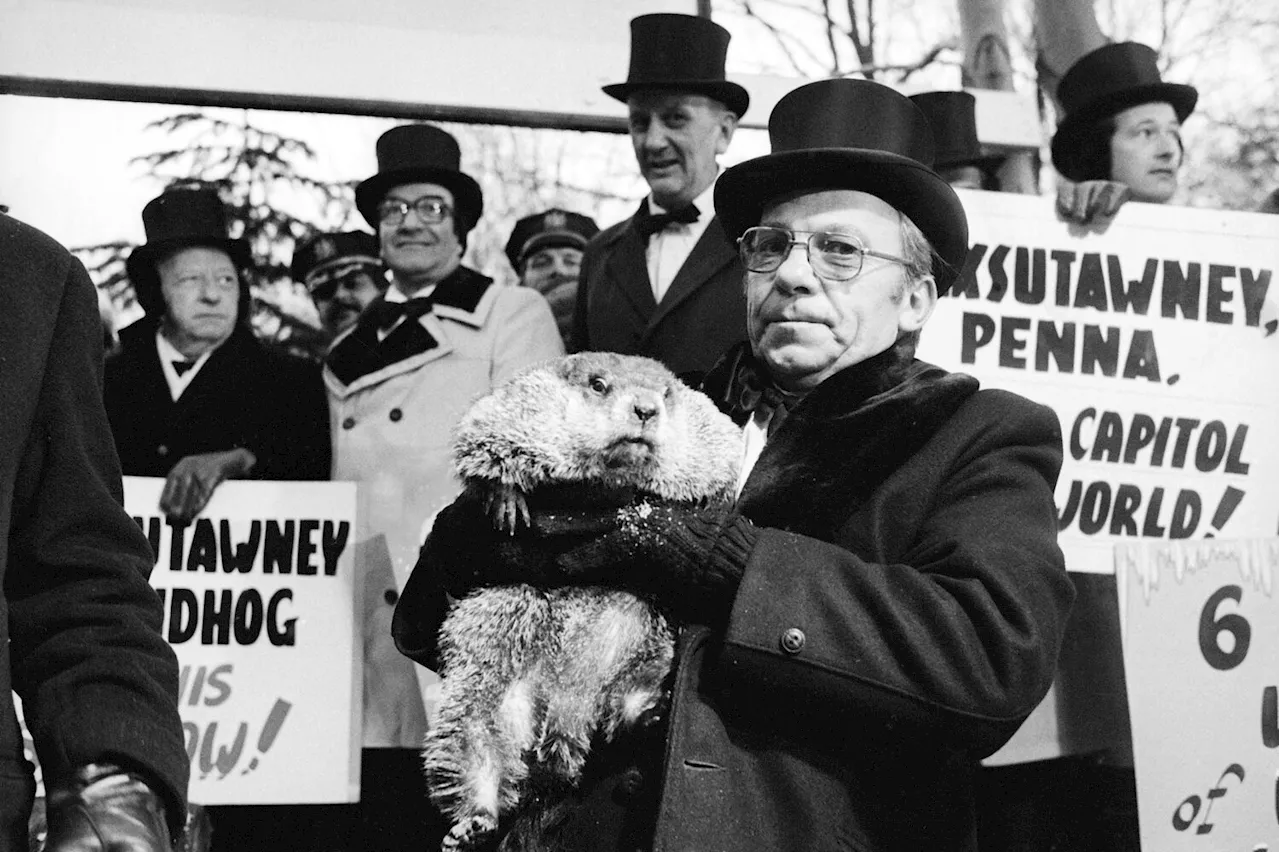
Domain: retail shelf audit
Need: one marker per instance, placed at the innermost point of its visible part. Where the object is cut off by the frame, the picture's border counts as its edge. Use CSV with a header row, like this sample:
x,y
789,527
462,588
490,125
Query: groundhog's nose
x,y
645,411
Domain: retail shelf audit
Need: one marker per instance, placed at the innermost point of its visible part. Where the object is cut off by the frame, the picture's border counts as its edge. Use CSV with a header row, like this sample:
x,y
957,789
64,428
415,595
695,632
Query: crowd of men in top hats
x,y
881,607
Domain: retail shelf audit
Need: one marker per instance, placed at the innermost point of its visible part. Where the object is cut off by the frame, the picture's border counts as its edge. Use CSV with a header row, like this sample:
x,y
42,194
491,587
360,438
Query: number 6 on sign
x,y
1217,792
1211,627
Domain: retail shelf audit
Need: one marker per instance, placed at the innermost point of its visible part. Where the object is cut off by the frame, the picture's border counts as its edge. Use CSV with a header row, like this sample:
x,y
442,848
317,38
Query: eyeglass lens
x,y
430,210
832,256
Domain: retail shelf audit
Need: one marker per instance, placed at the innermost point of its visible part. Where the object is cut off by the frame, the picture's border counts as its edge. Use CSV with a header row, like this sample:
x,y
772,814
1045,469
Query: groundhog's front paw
x,y
466,833
507,508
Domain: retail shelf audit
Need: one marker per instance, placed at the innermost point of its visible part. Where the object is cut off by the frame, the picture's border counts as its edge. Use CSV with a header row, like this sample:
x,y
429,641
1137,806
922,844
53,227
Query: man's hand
x,y
1091,200
191,482
689,560
104,808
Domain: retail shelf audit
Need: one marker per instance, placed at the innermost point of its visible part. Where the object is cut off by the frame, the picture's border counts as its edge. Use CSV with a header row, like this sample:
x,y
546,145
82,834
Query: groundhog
x,y
530,676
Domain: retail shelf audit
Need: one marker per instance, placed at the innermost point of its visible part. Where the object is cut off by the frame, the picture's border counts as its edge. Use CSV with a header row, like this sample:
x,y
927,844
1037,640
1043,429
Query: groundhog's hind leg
x,y
637,696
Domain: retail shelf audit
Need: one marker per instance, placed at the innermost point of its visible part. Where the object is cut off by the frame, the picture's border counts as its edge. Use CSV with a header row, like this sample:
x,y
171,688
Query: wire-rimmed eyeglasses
x,y
835,257
430,209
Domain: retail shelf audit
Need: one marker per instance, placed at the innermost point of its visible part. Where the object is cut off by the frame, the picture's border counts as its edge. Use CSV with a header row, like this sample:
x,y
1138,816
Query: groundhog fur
x,y
531,677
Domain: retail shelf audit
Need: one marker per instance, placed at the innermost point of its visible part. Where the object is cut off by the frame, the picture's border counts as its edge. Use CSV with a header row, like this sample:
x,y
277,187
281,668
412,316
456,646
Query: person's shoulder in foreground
x,y
97,681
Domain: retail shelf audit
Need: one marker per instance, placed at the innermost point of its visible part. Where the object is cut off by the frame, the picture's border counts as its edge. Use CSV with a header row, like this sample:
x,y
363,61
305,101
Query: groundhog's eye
x,y
599,385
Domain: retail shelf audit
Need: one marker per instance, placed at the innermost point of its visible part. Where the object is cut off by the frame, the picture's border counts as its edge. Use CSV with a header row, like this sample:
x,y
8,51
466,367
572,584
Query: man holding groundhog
x,y
884,604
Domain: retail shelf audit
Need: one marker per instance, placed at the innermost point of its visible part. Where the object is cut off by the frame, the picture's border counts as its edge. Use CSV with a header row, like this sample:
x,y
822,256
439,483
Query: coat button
x,y
792,640
631,782
162,450
348,423
395,415
390,596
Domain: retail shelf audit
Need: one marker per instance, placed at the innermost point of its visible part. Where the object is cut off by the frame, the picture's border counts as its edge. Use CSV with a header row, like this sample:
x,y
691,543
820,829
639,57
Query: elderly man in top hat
x,y
665,283
545,250
343,273
884,604
958,157
1121,133
398,381
192,395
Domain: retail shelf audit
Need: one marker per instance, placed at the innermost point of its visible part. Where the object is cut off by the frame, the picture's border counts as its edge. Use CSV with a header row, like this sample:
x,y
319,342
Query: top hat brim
x,y
742,192
145,257
1066,149
735,98
467,198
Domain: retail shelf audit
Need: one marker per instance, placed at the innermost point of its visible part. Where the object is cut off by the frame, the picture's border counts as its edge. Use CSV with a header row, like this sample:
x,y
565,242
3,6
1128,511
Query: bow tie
x,y
651,223
384,314
181,367
751,390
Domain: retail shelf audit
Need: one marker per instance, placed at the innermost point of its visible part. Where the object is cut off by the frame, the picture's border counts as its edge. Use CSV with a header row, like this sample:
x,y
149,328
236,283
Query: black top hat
x,y
680,53
1102,83
323,252
955,130
420,153
555,227
850,134
176,219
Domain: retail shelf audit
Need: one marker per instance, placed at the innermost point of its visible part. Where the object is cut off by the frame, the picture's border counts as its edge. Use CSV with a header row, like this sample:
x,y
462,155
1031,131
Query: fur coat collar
x,y
842,440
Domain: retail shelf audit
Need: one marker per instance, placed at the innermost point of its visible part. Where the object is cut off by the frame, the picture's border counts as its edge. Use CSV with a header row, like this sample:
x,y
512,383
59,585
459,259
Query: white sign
x,y
1201,653
1154,339
258,604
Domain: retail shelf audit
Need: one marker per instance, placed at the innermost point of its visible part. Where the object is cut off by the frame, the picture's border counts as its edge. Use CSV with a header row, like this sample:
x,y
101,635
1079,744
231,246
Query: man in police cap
x,y
545,250
664,282
398,381
343,274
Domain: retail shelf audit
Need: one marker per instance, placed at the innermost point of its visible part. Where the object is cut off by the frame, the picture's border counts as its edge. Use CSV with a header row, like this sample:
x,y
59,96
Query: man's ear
x,y
918,300
728,124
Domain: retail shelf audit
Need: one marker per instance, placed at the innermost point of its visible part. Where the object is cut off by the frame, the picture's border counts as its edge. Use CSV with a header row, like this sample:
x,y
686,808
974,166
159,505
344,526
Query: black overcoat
x,y
702,314
79,624
272,404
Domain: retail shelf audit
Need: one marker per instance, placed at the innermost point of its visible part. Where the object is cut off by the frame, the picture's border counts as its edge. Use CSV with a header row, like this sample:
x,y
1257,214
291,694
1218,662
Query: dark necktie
x,y
384,314
181,367
651,223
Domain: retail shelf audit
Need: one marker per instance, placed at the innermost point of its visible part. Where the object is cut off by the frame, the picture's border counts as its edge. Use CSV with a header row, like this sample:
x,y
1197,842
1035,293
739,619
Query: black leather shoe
x,y
105,808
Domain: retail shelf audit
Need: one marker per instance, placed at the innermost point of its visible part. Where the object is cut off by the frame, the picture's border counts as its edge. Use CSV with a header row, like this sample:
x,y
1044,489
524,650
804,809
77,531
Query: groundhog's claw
x,y
507,508
466,833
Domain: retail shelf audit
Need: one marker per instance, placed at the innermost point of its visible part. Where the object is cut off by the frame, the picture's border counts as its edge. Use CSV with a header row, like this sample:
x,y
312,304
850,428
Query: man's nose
x,y
655,136
795,275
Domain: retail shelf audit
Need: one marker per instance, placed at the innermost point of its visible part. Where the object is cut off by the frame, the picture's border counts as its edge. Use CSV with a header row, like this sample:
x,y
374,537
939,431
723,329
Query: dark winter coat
x,y
702,314
898,617
271,404
79,624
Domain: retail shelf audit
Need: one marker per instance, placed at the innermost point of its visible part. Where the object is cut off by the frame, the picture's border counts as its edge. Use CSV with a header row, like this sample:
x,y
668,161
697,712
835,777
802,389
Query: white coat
x,y
391,429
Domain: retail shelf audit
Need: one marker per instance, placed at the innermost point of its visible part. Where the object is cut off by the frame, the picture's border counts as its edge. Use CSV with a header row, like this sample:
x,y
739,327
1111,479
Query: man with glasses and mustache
x,y
398,381
664,282
343,274
884,604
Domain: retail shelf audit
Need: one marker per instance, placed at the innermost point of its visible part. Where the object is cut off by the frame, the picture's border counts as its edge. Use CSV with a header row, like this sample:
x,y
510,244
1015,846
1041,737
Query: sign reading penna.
x,y
258,605
1153,338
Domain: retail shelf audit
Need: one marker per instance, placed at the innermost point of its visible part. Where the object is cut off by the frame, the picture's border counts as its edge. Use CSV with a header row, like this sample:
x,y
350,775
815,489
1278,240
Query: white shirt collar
x,y
168,354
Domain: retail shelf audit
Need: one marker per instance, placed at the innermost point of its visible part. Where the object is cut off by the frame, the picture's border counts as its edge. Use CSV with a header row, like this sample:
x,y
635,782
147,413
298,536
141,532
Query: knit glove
x,y
105,808
688,560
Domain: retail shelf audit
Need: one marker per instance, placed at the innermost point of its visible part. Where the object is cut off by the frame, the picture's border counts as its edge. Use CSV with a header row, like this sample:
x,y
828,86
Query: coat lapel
x,y
359,360
712,253
626,266
843,440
